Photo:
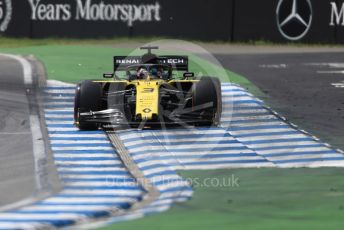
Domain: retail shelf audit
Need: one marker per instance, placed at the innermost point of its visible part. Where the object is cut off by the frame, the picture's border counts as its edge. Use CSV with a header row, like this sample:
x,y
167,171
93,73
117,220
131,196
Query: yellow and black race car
x,y
148,95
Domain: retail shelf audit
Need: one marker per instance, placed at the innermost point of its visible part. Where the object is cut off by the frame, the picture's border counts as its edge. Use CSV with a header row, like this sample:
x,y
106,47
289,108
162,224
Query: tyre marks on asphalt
x,y
98,185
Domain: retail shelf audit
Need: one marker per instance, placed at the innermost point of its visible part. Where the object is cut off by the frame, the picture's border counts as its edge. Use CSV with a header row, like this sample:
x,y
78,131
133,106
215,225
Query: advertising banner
x,y
306,21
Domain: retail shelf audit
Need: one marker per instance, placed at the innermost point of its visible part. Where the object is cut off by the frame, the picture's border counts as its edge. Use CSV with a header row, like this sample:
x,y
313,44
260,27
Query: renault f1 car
x,y
148,94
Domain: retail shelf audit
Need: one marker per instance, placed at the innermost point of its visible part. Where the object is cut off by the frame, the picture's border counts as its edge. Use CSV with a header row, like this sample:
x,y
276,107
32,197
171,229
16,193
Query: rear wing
x,y
179,63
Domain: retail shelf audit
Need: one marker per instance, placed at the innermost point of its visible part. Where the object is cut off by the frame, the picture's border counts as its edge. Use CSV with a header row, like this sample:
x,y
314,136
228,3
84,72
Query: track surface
x,y
16,165
299,86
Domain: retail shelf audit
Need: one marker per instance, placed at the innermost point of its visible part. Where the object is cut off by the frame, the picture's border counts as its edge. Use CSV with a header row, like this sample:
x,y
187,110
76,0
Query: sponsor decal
x,y
147,110
5,14
90,10
148,90
128,61
337,14
175,61
294,18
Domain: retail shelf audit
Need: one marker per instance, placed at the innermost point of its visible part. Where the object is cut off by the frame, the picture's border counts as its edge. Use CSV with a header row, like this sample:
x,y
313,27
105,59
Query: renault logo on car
x,y
294,18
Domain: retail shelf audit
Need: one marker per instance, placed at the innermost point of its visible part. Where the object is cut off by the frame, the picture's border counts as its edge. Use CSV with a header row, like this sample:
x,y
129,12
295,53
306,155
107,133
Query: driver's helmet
x,y
142,73
156,72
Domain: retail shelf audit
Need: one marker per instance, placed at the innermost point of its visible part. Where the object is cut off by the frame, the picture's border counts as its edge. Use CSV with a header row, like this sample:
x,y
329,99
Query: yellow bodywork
x,y
147,95
147,98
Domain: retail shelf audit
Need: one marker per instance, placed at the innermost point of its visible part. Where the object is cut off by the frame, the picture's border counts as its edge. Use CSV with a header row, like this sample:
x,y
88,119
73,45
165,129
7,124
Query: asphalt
x,y
299,87
17,175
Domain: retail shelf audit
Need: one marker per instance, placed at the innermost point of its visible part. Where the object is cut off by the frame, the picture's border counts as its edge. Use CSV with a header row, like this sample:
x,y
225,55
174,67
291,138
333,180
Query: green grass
x,y
73,63
266,198
6,42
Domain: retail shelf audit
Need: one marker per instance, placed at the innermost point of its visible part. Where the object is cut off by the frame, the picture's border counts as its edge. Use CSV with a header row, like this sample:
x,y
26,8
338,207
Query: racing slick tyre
x,y
87,98
207,100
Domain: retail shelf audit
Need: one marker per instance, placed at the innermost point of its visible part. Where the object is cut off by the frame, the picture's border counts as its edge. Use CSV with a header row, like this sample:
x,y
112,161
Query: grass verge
x,y
73,63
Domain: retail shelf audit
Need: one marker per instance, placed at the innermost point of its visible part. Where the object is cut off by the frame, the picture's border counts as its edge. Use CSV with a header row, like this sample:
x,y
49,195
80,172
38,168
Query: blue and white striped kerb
x,y
97,184
251,135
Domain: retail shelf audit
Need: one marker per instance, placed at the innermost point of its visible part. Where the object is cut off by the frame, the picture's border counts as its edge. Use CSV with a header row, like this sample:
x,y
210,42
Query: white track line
x,y
38,148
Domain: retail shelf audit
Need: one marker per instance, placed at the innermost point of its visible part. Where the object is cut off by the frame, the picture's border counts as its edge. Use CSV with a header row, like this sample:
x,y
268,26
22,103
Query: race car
x,y
143,91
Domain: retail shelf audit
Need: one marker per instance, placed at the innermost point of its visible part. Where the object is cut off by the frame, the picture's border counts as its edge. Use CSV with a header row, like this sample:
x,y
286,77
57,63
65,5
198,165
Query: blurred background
x,y
307,21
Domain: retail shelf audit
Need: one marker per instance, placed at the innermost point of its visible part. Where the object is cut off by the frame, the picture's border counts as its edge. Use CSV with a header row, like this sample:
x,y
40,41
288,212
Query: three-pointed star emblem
x,y
304,18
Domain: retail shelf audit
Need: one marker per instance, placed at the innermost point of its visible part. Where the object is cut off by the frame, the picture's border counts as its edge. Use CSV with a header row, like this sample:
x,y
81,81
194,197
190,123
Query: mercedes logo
x,y
294,18
5,14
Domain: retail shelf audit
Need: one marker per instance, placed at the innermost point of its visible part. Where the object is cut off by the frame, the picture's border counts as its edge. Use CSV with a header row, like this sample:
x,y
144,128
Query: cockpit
x,y
151,71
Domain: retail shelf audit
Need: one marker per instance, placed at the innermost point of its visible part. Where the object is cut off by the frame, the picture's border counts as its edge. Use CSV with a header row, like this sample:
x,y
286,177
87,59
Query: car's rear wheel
x,y
87,98
207,100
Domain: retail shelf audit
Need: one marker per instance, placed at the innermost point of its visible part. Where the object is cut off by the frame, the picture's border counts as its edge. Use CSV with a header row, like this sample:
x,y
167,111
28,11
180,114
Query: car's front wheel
x,y
207,100
87,98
